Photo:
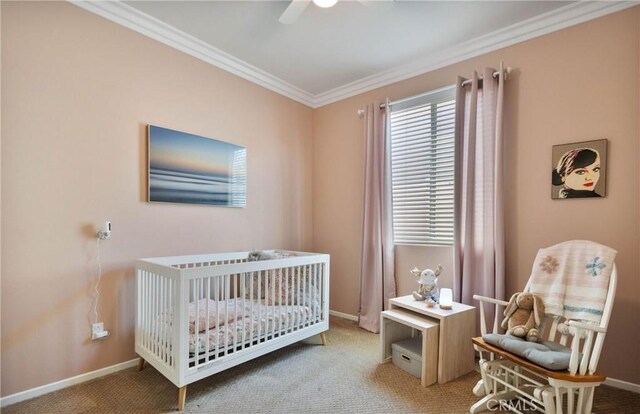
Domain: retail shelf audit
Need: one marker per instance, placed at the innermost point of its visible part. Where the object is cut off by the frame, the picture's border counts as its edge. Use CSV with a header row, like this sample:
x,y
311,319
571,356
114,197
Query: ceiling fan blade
x,y
293,11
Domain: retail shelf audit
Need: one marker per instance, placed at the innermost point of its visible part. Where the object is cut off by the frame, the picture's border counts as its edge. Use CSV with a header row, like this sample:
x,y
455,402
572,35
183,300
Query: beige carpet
x,y
344,377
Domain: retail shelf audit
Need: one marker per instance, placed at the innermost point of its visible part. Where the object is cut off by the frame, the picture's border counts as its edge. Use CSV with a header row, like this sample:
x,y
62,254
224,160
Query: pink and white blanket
x,y
262,321
573,279
231,322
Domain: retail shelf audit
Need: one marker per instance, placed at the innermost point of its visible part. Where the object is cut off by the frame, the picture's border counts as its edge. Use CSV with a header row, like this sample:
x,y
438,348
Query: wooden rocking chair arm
x,y
490,300
581,325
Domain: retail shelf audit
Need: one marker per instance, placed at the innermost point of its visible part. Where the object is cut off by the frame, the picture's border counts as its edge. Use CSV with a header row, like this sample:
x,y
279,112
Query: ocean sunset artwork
x,y
187,168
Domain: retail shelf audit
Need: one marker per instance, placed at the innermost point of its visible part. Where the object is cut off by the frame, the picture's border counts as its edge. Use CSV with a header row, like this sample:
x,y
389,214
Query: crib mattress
x,y
258,321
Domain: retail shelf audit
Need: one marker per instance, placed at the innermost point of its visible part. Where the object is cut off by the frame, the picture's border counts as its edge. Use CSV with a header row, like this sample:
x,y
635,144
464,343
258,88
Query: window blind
x,y
422,168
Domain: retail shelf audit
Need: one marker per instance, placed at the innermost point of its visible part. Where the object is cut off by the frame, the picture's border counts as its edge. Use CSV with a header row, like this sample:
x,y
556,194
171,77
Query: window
x,y
422,168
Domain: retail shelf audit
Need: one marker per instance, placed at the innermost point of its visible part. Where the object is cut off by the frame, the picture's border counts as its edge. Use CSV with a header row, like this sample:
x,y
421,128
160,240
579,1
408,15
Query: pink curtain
x,y
479,214
377,282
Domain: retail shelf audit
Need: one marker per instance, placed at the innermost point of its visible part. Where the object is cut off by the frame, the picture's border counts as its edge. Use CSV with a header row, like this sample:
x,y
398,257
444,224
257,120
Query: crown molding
x,y
572,14
545,23
129,17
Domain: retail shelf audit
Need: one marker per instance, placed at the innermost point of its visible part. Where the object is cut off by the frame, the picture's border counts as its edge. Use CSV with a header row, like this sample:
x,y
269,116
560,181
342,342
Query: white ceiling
x,y
328,48
329,54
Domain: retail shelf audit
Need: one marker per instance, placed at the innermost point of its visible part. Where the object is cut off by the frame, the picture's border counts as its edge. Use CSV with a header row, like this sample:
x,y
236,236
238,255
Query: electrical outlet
x,y
97,331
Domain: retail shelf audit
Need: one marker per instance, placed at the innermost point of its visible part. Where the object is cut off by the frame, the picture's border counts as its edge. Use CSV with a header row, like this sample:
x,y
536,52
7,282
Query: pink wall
x,y
76,87
77,93
577,84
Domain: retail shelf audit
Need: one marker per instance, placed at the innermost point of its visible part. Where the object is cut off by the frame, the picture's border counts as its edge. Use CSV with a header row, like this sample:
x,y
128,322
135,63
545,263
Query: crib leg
x,y
141,364
324,339
182,396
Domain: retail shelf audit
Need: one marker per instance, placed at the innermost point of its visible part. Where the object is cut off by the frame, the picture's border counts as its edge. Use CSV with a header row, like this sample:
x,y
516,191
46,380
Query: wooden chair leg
x,y
182,396
140,364
324,339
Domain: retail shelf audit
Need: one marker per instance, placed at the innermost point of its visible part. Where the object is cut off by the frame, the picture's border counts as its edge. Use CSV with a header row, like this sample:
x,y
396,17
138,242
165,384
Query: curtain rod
x,y
507,71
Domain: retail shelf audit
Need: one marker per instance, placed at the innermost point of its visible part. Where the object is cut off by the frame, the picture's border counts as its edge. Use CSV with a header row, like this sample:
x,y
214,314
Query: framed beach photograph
x,y
579,170
187,168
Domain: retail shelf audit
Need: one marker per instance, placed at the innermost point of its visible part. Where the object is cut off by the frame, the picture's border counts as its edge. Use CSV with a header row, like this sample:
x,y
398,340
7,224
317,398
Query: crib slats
x,y
196,300
281,301
235,308
171,301
300,296
303,303
258,297
243,289
286,289
274,303
217,299
166,321
251,302
151,309
307,310
149,312
226,313
155,296
264,301
142,300
318,300
322,291
267,293
207,331
161,328
314,293
145,310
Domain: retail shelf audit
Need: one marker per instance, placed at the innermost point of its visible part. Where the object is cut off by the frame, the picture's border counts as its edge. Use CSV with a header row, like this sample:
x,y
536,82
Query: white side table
x,y
456,327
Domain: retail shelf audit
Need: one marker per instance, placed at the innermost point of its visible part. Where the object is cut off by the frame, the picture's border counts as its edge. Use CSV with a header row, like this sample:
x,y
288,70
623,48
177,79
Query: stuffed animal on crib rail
x,y
524,315
428,284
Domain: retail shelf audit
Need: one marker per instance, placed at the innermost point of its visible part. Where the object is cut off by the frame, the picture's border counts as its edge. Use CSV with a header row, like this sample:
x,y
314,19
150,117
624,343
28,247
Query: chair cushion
x,y
549,355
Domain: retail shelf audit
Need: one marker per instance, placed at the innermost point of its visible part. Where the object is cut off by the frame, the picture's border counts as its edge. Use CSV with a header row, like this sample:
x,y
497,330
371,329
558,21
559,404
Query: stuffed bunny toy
x,y
524,315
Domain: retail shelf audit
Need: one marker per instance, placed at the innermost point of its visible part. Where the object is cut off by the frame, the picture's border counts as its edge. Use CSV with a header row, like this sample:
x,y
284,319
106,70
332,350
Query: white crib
x,y
199,315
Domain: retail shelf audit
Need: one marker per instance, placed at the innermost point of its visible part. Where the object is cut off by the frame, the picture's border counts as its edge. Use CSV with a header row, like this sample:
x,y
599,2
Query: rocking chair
x,y
515,383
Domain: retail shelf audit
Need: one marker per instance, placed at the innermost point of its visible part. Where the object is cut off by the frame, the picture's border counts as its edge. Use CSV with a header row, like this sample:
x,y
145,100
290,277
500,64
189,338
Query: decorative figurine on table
x,y
428,285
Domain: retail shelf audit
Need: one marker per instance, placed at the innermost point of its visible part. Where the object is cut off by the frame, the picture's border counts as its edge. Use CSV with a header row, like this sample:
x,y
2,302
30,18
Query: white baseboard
x,y
58,385
623,385
343,315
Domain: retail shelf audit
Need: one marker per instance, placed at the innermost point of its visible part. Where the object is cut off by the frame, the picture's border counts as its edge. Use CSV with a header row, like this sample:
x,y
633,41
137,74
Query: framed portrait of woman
x,y
579,169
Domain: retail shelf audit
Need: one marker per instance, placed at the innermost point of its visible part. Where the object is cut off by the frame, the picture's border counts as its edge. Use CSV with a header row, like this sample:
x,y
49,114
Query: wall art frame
x,y
192,169
579,169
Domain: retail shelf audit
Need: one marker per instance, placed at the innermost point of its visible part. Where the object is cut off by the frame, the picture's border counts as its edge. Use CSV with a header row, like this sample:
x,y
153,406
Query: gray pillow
x,y
547,354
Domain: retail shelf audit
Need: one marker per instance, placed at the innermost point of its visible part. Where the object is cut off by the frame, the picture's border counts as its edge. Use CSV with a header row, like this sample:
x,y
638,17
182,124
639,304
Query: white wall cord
x,y
95,301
